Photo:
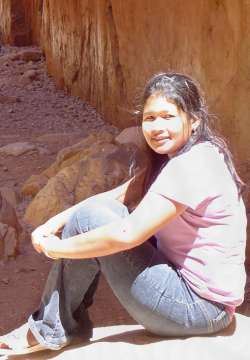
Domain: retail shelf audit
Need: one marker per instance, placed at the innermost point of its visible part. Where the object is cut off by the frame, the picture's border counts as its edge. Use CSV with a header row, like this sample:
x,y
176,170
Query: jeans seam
x,y
78,224
176,301
188,305
158,290
205,312
171,299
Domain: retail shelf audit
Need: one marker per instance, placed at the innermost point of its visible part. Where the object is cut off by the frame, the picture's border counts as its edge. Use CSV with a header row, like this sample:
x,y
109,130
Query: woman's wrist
x,y
50,246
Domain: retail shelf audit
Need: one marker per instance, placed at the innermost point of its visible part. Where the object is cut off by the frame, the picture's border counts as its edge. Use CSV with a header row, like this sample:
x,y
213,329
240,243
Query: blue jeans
x,y
152,291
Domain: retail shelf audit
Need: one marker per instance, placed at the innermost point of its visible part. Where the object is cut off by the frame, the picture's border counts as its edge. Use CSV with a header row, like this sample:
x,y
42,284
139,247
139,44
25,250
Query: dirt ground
x,y
33,110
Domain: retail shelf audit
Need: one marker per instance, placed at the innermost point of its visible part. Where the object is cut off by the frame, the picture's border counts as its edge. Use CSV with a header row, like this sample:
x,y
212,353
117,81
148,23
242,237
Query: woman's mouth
x,y
160,138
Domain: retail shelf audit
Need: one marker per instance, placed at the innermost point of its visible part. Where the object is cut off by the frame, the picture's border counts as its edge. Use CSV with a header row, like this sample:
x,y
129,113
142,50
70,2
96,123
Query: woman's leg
x,y
72,283
156,295
151,290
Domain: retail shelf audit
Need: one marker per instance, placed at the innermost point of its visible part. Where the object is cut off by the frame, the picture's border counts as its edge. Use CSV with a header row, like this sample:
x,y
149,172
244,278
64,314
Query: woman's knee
x,y
92,214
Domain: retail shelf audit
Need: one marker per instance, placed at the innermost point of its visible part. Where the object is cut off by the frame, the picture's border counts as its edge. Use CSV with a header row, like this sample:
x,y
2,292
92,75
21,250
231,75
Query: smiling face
x,y
166,128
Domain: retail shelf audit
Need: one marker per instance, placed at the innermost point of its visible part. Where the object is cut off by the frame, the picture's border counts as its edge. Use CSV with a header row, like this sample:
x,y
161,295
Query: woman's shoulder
x,y
203,165
201,156
196,176
202,149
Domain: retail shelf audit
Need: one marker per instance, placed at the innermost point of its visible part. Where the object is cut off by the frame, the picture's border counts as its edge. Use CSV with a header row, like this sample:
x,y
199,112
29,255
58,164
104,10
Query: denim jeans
x,y
152,291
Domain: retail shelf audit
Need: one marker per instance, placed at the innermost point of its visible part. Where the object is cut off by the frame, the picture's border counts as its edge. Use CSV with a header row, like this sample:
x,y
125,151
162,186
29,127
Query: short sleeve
x,y
190,178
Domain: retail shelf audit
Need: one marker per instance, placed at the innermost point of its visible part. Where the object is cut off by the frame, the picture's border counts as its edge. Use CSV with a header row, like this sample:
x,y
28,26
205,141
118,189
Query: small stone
x,y
5,281
10,243
16,149
9,99
5,168
43,151
30,74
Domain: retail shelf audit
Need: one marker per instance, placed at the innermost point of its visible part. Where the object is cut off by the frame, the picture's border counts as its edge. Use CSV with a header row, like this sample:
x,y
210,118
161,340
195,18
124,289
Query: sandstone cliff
x,y
20,21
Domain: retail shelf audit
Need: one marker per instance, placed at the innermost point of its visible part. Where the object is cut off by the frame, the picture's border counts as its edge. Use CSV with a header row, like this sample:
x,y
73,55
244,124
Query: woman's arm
x,y
150,215
128,193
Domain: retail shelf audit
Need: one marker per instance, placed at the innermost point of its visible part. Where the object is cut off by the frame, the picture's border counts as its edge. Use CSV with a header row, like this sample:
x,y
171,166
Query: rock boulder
x,y
94,165
10,229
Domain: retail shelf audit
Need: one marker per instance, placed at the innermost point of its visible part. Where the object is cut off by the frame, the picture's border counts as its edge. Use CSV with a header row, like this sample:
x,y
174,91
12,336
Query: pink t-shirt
x,y
206,242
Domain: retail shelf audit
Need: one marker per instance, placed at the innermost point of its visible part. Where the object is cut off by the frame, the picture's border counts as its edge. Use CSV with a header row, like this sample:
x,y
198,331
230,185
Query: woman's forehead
x,y
159,103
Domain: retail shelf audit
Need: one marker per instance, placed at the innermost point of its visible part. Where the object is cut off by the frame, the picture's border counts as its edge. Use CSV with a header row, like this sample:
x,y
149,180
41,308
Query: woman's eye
x,y
163,117
168,116
149,118
152,118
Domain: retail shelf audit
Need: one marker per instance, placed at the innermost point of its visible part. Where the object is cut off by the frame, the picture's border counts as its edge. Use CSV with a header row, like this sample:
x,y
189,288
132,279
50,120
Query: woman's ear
x,y
195,123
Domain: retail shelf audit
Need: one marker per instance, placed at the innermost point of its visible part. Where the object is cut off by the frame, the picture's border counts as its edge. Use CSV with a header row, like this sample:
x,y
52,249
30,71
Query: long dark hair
x,y
187,95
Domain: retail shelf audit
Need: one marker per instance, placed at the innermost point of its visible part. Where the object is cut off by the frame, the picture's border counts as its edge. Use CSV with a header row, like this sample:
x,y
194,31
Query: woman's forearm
x,y
153,212
104,240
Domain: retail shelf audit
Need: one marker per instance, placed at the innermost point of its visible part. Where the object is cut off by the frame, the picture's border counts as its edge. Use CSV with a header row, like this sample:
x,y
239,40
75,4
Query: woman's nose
x,y
157,125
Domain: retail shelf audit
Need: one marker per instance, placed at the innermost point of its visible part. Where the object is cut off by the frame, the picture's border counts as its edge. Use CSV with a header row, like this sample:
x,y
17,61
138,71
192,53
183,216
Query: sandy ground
x,y
35,111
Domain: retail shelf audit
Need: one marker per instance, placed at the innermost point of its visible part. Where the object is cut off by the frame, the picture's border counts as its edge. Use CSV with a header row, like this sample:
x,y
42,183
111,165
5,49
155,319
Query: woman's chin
x,y
163,150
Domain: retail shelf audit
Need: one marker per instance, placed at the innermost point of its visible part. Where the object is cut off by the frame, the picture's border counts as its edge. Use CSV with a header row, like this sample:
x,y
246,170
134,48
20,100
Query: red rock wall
x,y
20,21
33,11
5,24
82,51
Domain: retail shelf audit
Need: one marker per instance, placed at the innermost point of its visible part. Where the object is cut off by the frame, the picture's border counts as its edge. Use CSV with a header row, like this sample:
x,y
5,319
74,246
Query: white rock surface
x,y
133,342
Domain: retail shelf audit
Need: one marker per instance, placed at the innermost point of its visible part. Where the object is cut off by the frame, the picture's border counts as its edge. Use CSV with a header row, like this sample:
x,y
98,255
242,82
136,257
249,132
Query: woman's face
x,y
166,128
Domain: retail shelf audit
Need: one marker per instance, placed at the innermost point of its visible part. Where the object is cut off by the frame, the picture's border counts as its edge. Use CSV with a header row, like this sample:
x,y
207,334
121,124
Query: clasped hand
x,y
42,239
